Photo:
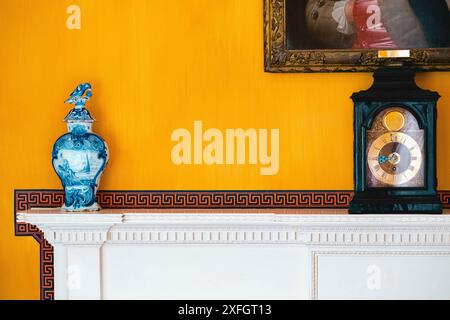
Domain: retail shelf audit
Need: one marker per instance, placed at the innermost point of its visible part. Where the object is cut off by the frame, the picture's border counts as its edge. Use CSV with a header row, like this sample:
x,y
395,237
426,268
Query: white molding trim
x,y
250,228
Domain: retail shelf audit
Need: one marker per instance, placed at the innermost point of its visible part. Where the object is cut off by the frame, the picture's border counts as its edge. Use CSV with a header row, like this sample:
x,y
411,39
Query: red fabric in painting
x,y
370,30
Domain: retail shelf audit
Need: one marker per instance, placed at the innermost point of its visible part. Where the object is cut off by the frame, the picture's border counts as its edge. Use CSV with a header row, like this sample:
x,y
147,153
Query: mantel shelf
x,y
319,227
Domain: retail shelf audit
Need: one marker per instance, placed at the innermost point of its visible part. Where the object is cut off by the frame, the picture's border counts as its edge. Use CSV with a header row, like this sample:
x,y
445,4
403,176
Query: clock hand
x,y
383,159
394,148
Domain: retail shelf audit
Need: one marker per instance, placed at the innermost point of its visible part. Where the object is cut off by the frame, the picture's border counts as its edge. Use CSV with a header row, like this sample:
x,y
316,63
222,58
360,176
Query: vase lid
x,y
79,97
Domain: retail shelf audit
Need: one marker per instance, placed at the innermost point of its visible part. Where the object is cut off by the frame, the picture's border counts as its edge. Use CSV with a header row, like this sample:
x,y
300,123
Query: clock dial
x,y
394,158
394,150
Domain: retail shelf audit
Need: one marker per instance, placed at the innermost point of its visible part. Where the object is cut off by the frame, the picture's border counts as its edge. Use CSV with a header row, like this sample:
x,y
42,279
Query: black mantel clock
x,y
395,146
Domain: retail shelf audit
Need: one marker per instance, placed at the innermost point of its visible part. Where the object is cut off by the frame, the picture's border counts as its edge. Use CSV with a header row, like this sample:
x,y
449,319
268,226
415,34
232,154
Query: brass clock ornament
x,y
395,146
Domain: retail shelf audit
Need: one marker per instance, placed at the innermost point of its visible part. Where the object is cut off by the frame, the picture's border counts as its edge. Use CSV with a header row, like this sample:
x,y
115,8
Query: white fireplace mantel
x,y
304,254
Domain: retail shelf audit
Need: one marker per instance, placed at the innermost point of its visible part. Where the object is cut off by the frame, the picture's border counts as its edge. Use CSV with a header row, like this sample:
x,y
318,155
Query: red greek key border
x,y
128,199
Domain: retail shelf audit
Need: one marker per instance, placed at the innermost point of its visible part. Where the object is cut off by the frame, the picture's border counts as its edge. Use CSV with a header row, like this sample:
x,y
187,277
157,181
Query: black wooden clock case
x,y
395,87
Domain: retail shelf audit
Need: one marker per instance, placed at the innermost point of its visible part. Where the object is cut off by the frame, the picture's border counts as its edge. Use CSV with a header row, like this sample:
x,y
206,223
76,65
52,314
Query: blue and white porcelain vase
x,y
79,157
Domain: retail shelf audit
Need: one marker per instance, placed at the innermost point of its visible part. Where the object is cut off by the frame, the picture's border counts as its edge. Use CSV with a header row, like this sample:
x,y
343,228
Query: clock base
x,y
362,204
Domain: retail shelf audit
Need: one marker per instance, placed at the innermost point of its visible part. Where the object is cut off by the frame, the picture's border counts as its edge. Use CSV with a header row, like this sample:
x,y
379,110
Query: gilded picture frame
x,y
278,57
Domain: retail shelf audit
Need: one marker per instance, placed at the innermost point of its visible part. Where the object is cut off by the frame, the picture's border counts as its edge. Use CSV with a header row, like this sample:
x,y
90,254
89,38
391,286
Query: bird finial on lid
x,y
80,95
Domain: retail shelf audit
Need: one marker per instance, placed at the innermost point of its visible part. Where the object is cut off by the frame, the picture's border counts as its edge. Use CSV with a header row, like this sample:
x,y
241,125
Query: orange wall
x,y
156,66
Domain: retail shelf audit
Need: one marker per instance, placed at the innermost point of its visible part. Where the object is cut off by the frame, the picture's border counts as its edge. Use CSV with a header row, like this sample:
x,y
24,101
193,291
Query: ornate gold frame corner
x,y
278,58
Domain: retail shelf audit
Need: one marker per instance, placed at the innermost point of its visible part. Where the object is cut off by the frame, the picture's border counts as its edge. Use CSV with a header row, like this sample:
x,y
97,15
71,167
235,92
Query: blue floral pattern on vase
x,y
80,156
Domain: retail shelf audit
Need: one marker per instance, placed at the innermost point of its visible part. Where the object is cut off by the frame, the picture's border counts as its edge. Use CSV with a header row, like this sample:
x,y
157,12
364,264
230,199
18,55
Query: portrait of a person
x,y
369,24
394,24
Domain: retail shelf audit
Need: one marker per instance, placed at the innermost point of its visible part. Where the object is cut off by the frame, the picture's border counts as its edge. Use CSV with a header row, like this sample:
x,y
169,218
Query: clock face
x,y
394,154
394,158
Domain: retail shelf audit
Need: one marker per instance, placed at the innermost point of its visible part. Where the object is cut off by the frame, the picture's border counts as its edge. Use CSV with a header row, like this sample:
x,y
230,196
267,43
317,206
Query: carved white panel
x,y
381,275
204,272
